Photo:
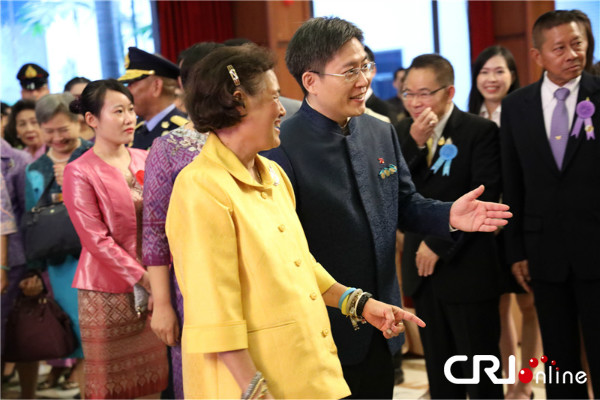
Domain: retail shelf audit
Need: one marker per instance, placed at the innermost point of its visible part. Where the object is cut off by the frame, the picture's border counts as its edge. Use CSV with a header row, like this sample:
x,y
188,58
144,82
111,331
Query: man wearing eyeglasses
x,y
455,286
353,190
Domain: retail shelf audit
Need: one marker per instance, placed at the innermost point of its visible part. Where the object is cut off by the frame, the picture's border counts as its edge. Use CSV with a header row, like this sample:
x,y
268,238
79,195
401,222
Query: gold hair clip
x,y
234,76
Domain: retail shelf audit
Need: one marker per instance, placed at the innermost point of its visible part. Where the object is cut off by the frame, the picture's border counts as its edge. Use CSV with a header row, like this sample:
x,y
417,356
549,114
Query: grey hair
x,y
50,105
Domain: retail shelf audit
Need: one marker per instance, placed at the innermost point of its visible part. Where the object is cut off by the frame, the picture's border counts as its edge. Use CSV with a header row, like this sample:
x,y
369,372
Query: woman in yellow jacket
x,y
254,297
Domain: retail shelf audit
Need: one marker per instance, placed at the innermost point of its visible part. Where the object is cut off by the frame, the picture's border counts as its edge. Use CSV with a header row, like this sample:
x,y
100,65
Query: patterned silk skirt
x,y
123,357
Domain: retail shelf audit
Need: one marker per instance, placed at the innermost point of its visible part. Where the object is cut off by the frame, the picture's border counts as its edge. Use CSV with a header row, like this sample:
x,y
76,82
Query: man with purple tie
x,y
551,173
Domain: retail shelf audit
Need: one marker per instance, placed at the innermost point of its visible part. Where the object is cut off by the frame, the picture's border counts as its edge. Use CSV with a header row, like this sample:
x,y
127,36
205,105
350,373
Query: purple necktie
x,y
559,127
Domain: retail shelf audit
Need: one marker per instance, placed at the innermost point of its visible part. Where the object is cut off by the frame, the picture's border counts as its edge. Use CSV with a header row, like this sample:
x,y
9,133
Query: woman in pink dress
x,y
103,194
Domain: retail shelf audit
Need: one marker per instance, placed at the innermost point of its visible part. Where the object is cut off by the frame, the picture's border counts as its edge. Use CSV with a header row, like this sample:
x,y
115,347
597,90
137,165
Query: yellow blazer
x,y
248,281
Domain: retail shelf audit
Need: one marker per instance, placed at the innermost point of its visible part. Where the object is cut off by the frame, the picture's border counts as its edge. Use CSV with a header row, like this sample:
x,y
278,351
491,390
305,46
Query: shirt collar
x,y
216,151
548,85
439,128
344,128
152,122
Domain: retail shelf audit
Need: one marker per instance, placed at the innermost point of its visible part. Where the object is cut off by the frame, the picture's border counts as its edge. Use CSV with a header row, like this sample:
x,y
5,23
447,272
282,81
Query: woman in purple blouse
x,y
168,156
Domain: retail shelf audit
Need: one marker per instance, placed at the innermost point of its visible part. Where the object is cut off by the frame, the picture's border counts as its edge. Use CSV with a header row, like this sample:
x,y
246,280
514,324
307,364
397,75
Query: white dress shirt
x,y
483,112
549,101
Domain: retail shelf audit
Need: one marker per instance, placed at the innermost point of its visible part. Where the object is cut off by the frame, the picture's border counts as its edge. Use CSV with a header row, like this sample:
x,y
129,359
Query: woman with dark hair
x,y
60,132
168,155
76,86
103,194
254,296
494,77
22,130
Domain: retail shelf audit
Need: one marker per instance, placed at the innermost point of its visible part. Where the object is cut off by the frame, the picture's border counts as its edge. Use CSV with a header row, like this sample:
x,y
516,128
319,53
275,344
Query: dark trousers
x,y
458,329
564,310
373,378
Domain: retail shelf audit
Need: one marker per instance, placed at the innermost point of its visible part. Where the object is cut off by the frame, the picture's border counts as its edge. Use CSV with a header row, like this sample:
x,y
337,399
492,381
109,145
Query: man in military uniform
x,y
33,80
152,81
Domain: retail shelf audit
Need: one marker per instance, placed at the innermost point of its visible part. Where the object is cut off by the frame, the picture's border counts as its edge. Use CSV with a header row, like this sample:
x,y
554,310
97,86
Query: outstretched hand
x,y
387,318
471,215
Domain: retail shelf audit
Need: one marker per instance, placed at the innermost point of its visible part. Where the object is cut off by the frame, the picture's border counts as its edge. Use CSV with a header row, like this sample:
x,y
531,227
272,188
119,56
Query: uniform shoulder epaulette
x,y
179,120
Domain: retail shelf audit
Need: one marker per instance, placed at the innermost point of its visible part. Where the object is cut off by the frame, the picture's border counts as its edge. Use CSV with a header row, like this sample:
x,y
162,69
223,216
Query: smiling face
x,y
116,122
562,52
333,96
61,134
494,79
423,81
264,112
28,129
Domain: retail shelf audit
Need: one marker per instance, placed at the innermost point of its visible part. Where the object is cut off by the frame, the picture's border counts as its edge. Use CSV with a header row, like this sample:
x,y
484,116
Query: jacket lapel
x,y
451,126
532,119
587,88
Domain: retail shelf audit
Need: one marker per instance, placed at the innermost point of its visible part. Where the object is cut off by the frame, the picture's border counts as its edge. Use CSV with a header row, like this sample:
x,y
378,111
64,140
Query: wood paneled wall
x,y
513,21
272,24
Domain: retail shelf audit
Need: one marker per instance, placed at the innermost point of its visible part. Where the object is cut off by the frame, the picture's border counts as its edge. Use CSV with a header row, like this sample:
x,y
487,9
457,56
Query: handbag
x,y
38,329
48,232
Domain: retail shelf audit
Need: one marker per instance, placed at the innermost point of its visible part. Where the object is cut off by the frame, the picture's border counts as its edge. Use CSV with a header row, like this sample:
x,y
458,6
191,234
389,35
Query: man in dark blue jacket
x,y
353,189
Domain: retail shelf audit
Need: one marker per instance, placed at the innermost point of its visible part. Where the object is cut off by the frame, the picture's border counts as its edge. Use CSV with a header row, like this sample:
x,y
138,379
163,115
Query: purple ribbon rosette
x,y
584,110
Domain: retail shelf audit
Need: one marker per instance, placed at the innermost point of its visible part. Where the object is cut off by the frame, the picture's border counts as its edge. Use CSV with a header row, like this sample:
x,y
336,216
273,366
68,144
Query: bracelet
x,y
344,308
5,268
352,308
361,303
352,302
258,384
346,293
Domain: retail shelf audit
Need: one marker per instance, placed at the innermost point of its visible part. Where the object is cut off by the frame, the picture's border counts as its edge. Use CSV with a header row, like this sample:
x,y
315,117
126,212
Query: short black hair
x,y
444,73
370,54
192,55
397,71
209,93
555,18
475,97
316,42
237,41
92,98
10,130
75,81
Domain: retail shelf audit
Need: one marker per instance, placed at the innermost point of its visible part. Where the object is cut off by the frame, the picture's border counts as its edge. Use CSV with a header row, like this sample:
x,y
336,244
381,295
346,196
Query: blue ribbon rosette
x,y
447,154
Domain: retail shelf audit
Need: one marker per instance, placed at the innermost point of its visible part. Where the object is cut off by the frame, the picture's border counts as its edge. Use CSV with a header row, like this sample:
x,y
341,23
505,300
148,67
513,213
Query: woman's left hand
x,y
387,318
59,170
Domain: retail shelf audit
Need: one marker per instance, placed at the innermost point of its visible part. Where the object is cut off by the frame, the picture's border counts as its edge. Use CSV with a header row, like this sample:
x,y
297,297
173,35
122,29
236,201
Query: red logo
x,y
526,374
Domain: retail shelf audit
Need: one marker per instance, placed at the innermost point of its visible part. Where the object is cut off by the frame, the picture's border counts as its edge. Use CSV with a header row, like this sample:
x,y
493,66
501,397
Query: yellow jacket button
x,y
325,332
263,195
281,228
298,262
313,296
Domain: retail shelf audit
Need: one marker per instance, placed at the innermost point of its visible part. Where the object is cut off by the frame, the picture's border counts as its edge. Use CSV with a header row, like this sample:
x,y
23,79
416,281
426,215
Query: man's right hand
x,y
520,270
422,128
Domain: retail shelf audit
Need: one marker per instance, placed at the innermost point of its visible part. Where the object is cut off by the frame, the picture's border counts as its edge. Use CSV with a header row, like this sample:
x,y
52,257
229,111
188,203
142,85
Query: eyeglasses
x,y
423,95
352,74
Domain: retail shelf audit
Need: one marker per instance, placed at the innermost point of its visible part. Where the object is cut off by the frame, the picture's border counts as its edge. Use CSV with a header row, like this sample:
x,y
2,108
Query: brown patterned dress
x,y
123,357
